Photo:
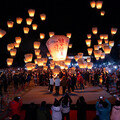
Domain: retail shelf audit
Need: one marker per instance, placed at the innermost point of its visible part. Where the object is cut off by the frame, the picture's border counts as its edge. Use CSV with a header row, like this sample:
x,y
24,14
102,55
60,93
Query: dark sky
x,y
63,16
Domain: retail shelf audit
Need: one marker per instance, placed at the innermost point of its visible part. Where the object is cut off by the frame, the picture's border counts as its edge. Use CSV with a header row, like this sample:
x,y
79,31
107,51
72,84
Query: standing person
x,y
57,84
78,80
81,82
69,83
104,109
115,114
73,80
107,82
63,83
51,79
56,111
65,106
35,78
81,108
15,79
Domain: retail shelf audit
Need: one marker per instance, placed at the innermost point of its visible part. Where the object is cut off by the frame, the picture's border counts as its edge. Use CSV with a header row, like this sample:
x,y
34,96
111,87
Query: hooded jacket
x,y
115,115
56,113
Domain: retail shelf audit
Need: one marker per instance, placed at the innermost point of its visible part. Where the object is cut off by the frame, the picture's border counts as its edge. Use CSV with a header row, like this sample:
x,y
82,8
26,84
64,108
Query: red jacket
x,y
80,79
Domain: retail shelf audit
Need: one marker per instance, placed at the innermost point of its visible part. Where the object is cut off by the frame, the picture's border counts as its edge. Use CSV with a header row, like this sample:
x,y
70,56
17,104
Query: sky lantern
x,y
10,24
76,57
99,41
88,42
80,55
94,30
51,34
28,21
105,36
101,36
66,67
9,61
83,64
88,59
18,39
36,45
13,52
29,66
10,46
106,41
90,51
97,58
28,57
97,53
70,46
113,31
111,43
43,17
89,36
37,52
44,60
34,26
35,61
48,54
45,67
107,49
19,20
58,46
42,35
96,47
26,30
67,61
102,13
102,55
99,4
52,66
2,33
56,71
39,62
16,45
31,12
69,35
89,65
39,56
92,4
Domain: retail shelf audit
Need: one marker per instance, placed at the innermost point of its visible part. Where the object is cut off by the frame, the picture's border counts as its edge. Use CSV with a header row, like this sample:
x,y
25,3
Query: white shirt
x,y
51,81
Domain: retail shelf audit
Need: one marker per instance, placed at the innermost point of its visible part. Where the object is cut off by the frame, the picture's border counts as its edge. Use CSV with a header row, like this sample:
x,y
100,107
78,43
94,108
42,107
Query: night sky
x,y
63,16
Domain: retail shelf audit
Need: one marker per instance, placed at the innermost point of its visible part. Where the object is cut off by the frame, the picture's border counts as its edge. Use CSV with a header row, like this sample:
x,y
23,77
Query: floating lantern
x,y
31,12
29,66
51,34
88,42
97,58
43,17
44,60
18,40
89,65
45,67
92,4
58,46
90,51
102,55
19,20
89,36
111,43
39,56
83,65
80,55
34,26
37,52
105,36
70,46
101,36
88,59
48,54
36,45
76,57
106,41
66,67
96,47
10,24
102,13
10,46
42,35
16,45
56,71
28,57
69,35
35,61
99,4
28,21
52,66
2,33
26,30
94,30
67,61
9,61
13,52
100,42
113,31
39,62
97,53
107,49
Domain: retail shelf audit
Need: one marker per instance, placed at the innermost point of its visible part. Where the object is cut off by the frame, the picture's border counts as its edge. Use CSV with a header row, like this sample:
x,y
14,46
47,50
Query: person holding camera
x,y
65,102
103,107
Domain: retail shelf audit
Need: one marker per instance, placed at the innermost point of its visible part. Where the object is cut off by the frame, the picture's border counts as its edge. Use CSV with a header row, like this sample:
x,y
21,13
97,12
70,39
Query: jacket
x,y
115,115
57,82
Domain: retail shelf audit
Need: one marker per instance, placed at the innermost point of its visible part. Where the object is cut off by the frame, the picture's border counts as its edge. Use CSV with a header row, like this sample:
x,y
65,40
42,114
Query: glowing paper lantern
x,y
29,66
39,56
13,52
18,40
101,36
28,57
51,34
66,67
102,55
19,20
45,67
52,66
69,35
43,17
89,36
42,35
39,62
96,47
100,42
102,13
99,4
94,30
105,36
10,24
88,42
80,55
92,4
9,61
97,53
82,64
89,65
10,46
44,60
37,52
113,31
97,58
2,33
35,61
111,43
106,41
26,30
34,26
70,46
31,12
90,51
57,46
36,45
48,54
67,61
88,59
107,49
28,21
56,71
16,45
